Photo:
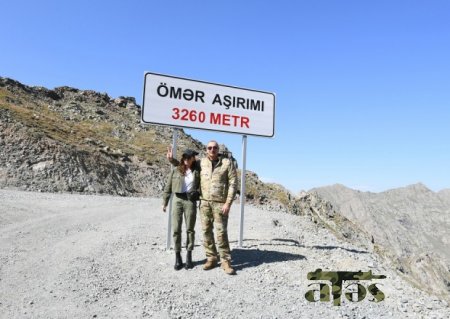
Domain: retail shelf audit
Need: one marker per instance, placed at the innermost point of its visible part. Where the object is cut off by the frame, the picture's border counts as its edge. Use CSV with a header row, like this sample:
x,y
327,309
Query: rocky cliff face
x,y
70,140
410,226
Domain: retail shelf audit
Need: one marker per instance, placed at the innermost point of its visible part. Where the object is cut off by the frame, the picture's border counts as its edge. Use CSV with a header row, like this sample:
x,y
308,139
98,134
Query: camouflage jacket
x,y
219,185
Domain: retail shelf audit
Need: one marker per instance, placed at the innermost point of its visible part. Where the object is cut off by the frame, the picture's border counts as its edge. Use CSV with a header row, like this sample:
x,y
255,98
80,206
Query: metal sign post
x,y
242,196
169,215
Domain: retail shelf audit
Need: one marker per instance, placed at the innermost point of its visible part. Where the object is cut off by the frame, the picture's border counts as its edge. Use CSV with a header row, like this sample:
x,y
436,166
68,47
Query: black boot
x,y
178,261
189,264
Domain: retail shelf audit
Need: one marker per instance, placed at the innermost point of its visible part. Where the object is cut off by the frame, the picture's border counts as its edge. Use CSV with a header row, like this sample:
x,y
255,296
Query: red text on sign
x,y
229,120
214,118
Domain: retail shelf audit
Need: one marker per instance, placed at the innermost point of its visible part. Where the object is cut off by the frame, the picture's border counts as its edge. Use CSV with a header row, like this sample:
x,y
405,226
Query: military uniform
x,y
218,182
181,206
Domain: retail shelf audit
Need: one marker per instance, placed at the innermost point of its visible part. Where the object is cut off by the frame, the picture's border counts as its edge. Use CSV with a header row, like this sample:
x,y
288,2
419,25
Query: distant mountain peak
x,y
418,187
334,188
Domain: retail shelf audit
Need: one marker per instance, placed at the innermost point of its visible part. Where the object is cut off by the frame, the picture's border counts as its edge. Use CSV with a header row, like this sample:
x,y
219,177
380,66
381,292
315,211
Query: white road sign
x,y
175,101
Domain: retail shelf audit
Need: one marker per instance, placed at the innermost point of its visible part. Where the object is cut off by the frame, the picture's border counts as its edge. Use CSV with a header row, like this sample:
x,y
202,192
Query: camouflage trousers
x,y
183,207
212,217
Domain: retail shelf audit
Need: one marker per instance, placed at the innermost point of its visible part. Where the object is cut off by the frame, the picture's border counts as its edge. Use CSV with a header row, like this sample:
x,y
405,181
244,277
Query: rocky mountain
x,y
410,226
444,195
70,140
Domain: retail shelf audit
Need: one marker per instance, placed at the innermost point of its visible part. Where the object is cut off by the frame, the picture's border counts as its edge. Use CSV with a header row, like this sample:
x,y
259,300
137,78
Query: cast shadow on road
x,y
337,247
251,256
296,243
247,258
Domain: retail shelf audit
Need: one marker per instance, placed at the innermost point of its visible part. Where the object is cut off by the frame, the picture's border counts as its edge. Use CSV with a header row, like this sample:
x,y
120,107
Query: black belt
x,y
181,195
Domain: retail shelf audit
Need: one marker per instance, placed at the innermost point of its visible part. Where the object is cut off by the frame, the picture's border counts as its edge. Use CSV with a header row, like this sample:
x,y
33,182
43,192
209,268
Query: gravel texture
x,y
84,256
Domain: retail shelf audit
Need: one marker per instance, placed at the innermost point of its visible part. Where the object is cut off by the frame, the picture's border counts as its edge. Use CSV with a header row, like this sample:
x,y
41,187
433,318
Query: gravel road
x,y
79,256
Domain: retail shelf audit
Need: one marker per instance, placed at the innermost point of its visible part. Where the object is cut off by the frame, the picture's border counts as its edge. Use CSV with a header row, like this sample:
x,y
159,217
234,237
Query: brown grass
x,y
49,123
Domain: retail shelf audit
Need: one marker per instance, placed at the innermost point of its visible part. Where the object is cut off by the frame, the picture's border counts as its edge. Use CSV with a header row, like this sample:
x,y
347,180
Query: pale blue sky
x,y
363,87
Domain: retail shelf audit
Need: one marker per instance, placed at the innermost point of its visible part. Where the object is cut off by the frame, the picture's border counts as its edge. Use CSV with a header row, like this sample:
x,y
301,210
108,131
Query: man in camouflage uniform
x,y
218,184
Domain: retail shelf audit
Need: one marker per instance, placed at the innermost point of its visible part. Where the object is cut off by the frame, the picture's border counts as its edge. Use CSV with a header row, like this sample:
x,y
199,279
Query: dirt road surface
x,y
77,256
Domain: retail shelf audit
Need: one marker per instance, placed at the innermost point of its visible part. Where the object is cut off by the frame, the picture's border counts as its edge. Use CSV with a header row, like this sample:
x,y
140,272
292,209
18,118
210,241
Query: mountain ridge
x,y
410,225
417,185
